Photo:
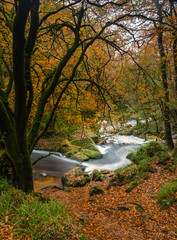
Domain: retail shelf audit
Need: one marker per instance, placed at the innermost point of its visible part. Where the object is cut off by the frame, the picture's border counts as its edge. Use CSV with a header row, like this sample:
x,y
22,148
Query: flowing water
x,y
114,152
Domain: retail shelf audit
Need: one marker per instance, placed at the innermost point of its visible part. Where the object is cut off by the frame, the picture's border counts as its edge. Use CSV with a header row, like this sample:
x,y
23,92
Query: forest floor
x,y
117,215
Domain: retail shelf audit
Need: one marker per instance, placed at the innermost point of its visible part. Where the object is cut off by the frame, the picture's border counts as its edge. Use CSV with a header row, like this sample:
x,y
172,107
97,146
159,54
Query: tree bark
x,y
165,107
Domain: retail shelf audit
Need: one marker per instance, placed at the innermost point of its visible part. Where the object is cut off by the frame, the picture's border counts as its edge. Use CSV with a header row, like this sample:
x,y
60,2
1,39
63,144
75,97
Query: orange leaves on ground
x,y
120,215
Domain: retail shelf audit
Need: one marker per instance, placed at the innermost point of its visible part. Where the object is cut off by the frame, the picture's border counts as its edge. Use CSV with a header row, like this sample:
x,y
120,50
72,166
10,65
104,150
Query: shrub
x,y
166,195
96,189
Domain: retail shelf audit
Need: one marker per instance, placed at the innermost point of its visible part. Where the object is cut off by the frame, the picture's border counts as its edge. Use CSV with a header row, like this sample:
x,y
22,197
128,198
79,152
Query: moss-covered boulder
x,y
66,181
83,149
96,189
75,178
96,176
81,182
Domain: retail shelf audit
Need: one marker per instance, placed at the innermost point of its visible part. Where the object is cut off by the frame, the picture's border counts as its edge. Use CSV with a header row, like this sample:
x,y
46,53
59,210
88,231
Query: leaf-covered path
x,y
120,215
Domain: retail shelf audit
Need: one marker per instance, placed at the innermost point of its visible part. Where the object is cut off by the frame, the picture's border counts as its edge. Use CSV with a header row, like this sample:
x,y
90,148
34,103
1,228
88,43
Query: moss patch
x,y
96,189
81,182
83,149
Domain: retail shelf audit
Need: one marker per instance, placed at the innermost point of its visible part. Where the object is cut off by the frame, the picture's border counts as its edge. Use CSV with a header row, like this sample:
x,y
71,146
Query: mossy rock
x,y
78,172
117,180
72,151
83,149
96,176
96,189
81,182
132,174
152,148
131,186
66,181
104,171
92,154
80,156
86,143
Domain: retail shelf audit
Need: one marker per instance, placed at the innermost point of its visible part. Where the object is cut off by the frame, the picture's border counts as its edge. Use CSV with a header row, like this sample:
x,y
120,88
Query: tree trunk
x,y
24,175
165,107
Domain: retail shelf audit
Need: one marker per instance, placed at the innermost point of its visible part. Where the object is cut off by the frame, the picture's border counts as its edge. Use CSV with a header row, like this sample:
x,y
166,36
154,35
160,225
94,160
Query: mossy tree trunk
x,y
166,101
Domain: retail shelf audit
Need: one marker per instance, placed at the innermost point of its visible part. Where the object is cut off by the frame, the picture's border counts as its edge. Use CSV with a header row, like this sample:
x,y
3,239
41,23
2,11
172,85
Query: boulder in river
x,y
83,149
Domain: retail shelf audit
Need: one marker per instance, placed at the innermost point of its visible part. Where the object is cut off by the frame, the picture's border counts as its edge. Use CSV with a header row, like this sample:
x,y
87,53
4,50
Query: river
x,y
114,152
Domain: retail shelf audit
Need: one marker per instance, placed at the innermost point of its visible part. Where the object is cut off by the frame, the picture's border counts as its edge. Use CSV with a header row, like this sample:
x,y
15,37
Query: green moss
x,y
145,165
87,143
117,180
80,156
92,154
83,149
81,182
130,156
132,174
149,150
166,195
66,181
131,186
78,172
164,158
96,176
72,151
104,171
96,189
4,185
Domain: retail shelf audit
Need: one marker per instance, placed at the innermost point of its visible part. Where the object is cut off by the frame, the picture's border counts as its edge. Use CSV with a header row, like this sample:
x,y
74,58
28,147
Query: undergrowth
x,y
35,217
166,195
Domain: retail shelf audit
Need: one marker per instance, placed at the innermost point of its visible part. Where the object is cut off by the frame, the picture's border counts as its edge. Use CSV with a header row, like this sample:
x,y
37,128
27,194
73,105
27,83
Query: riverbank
x,y
117,214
